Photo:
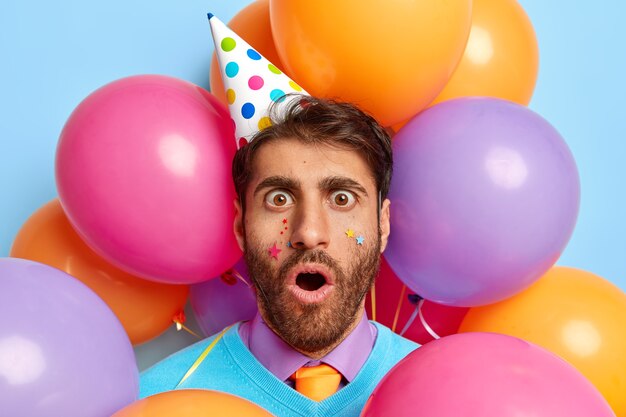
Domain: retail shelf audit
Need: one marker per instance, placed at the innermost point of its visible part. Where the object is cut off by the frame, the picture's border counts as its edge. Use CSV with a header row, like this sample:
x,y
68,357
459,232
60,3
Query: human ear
x,y
384,224
238,228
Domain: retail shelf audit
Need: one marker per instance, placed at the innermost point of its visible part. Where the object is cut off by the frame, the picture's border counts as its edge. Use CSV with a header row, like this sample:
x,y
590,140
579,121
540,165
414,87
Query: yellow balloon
x,y
574,314
501,58
390,57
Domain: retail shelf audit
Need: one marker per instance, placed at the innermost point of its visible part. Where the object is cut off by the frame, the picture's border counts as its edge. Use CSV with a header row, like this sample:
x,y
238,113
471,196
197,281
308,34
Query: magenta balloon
x,y
143,172
63,352
485,196
484,375
224,300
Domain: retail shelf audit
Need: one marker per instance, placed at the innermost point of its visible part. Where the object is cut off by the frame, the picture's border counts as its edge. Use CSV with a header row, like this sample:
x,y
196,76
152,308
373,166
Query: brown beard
x,y
312,327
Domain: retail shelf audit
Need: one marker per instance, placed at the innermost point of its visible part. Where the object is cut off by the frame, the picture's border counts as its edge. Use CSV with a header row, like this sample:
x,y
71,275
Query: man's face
x,y
312,239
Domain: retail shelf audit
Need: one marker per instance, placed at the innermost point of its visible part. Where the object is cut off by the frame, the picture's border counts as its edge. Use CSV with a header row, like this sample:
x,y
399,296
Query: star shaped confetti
x,y
289,244
359,240
274,251
350,233
284,221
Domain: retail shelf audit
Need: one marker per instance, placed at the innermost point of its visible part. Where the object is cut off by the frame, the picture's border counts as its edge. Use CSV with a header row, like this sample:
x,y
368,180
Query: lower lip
x,y
311,297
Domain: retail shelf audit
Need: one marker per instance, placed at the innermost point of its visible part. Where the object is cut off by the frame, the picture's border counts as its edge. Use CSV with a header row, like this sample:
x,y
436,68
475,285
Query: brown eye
x,y
343,199
278,198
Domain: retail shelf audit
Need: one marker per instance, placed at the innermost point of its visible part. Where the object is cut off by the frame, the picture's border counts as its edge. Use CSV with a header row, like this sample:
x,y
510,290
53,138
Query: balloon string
x,y
411,319
240,277
179,319
202,357
418,312
426,326
373,300
395,318
180,326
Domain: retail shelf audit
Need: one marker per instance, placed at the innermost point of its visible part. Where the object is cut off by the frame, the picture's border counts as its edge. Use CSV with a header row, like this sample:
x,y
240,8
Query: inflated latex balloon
x,y
485,196
220,302
62,350
144,308
143,170
390,57
396,308
501,58
484,375
573,313
192,403
252,23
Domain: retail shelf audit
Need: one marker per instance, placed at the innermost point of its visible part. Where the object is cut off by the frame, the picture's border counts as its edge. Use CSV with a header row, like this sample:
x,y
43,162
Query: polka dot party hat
x,y
252,83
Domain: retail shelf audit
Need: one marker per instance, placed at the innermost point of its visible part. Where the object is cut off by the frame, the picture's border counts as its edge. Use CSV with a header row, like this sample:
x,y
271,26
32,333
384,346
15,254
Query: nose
x,y
310,227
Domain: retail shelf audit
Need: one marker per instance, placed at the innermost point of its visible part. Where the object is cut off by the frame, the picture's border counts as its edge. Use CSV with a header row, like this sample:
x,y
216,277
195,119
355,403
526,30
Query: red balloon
x,y
394,298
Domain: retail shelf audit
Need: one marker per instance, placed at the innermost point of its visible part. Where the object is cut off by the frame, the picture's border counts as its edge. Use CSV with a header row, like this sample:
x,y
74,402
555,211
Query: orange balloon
x,y
192,403
252,23
573,313
144,308
396,128
390,57
501,58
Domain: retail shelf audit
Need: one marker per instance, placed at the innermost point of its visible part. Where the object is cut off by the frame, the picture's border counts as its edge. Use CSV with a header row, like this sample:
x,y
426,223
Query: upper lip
x,y
310,268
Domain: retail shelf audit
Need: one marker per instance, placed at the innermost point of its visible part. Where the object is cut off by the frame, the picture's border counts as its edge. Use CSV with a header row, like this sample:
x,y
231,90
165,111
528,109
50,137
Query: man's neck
x,y
320,353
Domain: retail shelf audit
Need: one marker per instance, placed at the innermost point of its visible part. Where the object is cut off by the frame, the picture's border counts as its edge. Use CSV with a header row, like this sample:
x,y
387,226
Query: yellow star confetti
x,y
350,233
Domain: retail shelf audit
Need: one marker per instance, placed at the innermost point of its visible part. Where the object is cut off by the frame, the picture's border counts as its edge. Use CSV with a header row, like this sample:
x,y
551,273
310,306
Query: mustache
x,y
314,256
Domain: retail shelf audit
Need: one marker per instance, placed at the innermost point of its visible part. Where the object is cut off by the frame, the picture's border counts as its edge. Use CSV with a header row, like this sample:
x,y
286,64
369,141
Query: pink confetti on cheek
x,y
255,82
274,251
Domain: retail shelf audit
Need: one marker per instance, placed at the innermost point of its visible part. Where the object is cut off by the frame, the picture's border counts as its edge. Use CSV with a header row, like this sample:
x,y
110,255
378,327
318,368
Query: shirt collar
x,y
282,360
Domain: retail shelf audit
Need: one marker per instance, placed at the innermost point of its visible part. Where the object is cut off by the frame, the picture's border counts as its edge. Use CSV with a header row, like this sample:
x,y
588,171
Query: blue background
x,y
53,54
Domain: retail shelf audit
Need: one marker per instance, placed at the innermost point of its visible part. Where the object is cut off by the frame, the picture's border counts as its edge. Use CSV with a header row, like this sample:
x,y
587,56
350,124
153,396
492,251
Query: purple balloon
x,y
485,197
222,301
485,375
63,352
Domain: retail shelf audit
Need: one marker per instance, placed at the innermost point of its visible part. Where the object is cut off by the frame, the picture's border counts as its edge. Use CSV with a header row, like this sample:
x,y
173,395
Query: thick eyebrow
x,y
278,181
337,182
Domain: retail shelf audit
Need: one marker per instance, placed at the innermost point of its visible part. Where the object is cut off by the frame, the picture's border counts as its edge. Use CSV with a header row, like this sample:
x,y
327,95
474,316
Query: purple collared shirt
x,y
282,360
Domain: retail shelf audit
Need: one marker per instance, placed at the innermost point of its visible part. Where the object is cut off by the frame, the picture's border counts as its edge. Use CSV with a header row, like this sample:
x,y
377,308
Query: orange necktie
x,y
317,382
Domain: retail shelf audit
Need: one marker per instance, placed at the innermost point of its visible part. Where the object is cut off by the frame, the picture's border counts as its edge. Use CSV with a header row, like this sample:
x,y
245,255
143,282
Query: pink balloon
x,y
484,375
143,172
225,300
444,320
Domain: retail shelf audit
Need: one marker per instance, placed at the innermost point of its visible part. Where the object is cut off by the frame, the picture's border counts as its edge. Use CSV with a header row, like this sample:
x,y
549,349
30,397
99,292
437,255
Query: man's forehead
x,y
310,164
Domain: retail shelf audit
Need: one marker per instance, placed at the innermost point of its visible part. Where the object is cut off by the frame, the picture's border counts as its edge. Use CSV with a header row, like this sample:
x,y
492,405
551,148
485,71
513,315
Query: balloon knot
x,y
180,319
414,298
229,277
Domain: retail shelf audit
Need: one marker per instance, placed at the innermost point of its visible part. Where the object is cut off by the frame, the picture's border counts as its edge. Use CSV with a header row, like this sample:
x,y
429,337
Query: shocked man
x,y
320,175
312,219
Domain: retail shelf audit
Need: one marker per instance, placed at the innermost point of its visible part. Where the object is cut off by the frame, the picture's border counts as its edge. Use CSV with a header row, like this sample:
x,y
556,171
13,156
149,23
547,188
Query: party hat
x,y
252,83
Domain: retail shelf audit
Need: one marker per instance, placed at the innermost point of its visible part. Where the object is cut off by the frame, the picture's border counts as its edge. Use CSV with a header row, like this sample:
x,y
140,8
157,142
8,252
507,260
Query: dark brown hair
x,y
321,121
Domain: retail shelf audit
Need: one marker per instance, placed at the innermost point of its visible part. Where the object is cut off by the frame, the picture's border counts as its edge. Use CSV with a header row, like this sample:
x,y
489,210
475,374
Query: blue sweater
x,y
230,367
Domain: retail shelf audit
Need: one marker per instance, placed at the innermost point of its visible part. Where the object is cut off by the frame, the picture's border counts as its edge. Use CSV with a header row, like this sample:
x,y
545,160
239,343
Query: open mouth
x,y
310,281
